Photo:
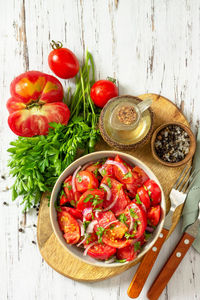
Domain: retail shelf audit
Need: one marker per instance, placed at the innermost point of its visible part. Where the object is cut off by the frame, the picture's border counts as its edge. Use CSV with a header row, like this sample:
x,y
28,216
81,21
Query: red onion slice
x,y
81,242
90,227
81,226
86,211
97,213
101,170
87,248
73,179
117,164
149,229
108,191
107,225
87,165
111,205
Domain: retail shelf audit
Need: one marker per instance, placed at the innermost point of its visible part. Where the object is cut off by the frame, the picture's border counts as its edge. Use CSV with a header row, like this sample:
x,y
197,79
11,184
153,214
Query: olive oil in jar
x,y
127,120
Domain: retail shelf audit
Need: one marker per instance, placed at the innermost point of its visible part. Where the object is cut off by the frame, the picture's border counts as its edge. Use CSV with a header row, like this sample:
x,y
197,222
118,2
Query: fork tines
x,y
185,180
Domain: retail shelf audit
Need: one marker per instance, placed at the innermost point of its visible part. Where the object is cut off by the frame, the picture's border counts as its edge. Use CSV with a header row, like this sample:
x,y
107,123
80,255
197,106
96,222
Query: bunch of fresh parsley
x,y
36,162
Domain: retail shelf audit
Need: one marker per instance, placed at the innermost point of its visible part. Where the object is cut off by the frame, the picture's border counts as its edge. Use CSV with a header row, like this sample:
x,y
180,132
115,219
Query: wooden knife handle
x,y
170,266
145,266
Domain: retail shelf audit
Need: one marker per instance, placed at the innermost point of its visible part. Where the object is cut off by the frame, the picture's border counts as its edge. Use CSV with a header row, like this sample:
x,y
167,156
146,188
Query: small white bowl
x,y
77,252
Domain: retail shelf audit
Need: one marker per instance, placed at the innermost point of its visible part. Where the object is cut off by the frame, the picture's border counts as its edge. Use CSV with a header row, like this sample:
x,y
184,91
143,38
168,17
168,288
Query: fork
x,y
177,197
174,260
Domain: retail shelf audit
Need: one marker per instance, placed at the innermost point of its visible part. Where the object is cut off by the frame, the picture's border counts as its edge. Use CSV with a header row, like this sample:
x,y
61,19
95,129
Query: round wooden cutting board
x,y
58,257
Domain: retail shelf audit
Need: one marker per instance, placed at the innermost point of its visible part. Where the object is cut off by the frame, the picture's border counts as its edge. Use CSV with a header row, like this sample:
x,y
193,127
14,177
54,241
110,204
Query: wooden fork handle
x,y
145,266
170,266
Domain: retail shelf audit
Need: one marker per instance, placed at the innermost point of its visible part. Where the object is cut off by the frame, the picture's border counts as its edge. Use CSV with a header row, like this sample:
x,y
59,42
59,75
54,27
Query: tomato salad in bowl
x,y
109,206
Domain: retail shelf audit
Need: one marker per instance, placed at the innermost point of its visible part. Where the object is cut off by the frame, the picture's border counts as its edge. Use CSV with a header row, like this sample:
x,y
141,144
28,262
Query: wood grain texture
x,y
145,266
170,267
58,258
150,46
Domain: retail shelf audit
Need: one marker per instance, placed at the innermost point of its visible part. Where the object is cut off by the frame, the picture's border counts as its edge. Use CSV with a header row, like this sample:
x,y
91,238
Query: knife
x,y
148,261
175,259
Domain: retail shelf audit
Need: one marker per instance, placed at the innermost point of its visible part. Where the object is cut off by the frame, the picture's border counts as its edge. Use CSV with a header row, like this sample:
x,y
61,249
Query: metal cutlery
x,y
177,197
174,260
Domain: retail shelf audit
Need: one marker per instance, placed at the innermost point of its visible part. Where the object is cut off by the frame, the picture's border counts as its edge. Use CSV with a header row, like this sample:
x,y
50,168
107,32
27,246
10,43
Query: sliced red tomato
x,y
143,197
63,199
91,198
107,169
117,191
73,212
113,236
139,178
94,169
86,180
69,226
68,188
127,253
101,251
154,191
138,215
124,178
153,215
104,218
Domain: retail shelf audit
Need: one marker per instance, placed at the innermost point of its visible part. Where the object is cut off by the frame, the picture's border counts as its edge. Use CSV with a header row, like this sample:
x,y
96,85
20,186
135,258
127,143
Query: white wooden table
x,y
149,46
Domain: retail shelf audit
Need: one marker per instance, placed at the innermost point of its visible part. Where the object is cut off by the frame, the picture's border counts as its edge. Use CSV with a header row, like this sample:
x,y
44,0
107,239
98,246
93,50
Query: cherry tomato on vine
x,y
102,91
63,61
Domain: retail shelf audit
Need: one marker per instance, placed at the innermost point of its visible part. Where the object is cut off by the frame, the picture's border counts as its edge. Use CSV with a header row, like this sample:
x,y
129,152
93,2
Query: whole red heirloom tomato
x,y
62,61
36,100
102,91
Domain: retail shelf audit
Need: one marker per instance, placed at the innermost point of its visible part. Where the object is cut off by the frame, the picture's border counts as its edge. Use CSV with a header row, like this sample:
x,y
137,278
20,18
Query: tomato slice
x,y
101,251
91,198
117,191
127,253
139,178
73,212
91,238
63,199
124,178
113,236
94,169
104,218
69,226
154,191
153,215
86,180
143,197
68,188
136,212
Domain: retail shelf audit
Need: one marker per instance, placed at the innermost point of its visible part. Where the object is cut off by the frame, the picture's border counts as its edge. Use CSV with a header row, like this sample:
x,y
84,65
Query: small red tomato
x,y
127,253
154,192
63,199
86,180
102,91
101,251
69,226
91,198
62,61
153,215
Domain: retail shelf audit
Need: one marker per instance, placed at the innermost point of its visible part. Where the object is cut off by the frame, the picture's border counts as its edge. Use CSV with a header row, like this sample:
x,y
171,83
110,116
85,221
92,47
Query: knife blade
x,y
174,260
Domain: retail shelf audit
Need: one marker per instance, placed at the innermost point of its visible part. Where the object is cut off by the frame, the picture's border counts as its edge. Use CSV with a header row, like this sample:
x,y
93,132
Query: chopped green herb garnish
x,y
122,218
128,235
96,173
73,203
85,225
133,214
127,175
103,172
137,246
147,235
109,182
57,206
88,198
120,260
99,232
97,163
137,198
79,178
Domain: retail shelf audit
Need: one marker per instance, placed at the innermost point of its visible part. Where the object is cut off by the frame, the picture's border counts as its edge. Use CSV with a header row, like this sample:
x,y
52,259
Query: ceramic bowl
x,y
192,145
77,252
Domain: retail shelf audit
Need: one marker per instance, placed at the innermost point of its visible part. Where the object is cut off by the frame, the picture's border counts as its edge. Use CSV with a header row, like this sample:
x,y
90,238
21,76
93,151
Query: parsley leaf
x,y
120,260
137,198
85,225
99,232
88,198
109,182
122,218
137,246
133,214
127,175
